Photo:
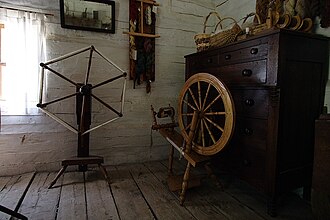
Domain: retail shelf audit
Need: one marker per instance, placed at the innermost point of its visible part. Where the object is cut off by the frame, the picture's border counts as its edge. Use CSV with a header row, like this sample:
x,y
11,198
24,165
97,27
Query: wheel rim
x,y
207,95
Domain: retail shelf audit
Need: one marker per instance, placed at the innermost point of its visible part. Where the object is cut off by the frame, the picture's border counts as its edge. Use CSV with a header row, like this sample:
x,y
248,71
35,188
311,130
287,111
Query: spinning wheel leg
x,y
272,206
57,176
104,172
185,184
170,161
213,176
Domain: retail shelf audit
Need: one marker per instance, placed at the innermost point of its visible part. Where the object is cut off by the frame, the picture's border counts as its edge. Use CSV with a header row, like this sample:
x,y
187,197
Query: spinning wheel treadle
x,y
206,97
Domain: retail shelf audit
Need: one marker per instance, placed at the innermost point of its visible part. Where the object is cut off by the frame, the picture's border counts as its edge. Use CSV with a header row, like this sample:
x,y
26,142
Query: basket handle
x,y
207,17
219,23
250,15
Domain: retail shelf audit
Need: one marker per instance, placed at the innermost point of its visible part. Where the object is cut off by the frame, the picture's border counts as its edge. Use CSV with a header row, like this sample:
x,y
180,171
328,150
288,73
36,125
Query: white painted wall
x,y
38,143
30,143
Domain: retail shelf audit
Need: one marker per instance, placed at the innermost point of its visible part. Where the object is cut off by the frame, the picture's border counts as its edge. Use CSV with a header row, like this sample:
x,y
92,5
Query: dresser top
x,y
270,32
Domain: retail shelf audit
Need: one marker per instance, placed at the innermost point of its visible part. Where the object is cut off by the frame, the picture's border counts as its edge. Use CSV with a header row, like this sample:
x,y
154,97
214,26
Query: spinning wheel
x,y
206,117
83,95
206,104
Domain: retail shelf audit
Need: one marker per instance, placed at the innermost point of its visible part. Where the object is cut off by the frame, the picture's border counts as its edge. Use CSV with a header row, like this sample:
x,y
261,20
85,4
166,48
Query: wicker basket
x,y
252,29
254,24
203,40
225,37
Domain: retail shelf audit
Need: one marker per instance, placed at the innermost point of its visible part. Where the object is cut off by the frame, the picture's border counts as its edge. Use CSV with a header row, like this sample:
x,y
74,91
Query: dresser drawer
x,y
244,73
251,133
251,166
248,164
249,53
251,103
202,63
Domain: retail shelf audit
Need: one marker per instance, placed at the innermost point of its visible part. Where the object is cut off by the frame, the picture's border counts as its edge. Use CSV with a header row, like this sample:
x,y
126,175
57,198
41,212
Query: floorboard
x,y
139,191
99,199
3,182
128,197
40,202
163,203
217,198
72,203
200,208
13,192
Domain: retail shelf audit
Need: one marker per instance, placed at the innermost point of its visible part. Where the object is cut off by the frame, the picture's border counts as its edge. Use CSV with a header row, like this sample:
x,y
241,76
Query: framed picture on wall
x,y
89,15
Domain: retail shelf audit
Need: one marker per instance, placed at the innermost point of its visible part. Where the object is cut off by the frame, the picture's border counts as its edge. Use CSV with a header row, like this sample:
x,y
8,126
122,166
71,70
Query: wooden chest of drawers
x,y
277,81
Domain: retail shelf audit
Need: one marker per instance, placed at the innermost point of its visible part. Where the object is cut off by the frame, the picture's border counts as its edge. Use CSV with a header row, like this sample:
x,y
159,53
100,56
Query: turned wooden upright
x,y
83,112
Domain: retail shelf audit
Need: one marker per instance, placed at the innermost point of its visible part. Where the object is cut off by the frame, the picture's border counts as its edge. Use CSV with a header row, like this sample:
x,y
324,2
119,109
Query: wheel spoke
x,y
193,97
215,113
89,66
199,95
206,95
106,105
214,124
209,131
198,132
187,114
42,105
188,126
185,101
214,100
60,75
202,131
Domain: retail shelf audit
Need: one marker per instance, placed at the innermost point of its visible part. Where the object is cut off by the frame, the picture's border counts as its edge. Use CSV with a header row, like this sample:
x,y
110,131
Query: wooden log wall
x,y
29,143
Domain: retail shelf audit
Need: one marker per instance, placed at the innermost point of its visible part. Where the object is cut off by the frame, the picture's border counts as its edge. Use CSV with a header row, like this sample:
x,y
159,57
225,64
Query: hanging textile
x,y
142,20
22,50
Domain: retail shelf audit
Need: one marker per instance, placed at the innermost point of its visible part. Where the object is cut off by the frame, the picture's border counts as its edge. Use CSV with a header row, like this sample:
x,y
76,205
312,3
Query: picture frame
x,y
89,15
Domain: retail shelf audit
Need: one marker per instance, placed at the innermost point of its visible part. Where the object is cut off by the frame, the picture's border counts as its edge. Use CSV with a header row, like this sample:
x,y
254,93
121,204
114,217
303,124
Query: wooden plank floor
x,y
137,191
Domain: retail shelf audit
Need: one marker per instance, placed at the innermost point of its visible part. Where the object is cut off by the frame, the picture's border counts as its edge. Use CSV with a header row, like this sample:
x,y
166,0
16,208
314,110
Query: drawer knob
x,y
248,131
249,102
227,57
254,51
209,60
247,72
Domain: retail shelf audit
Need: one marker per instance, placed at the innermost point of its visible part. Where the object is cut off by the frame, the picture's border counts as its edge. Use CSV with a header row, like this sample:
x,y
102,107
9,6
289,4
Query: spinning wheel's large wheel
x,y
210,99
